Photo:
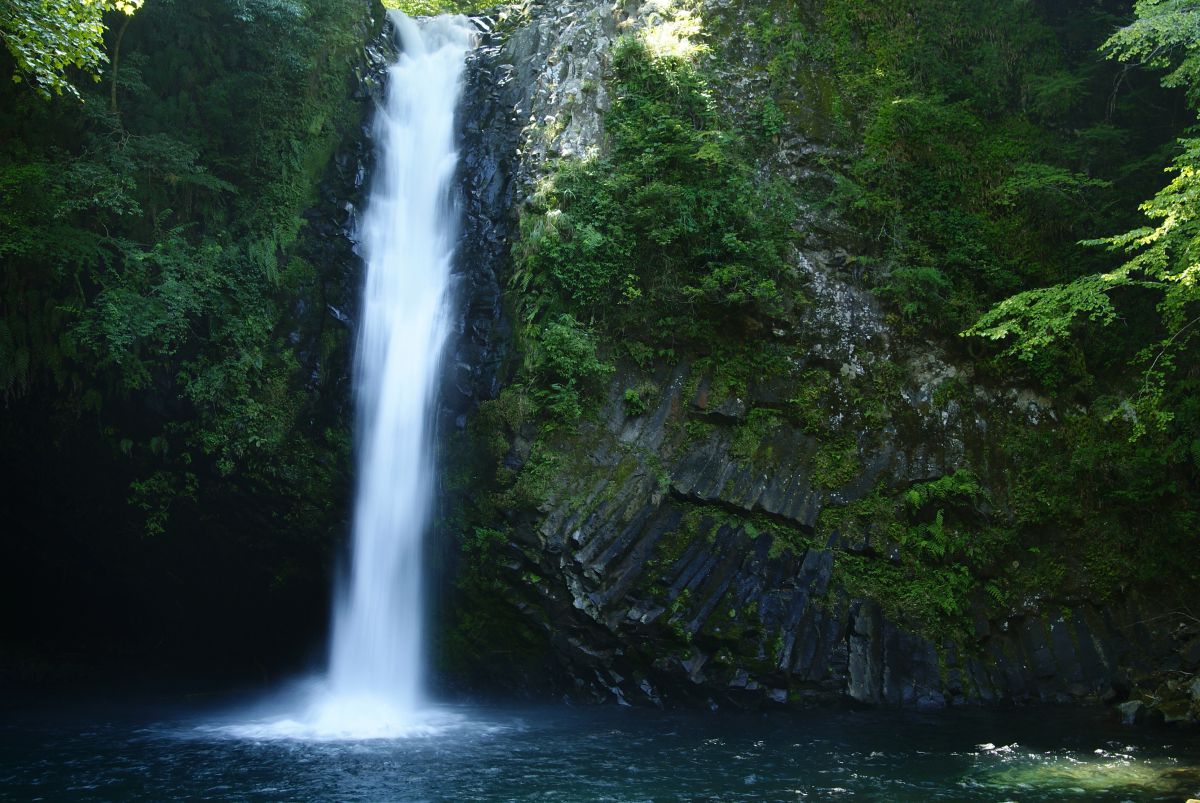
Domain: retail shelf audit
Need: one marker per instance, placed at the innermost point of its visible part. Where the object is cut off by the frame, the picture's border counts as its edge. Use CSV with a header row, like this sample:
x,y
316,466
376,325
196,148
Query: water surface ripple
x,y
605,754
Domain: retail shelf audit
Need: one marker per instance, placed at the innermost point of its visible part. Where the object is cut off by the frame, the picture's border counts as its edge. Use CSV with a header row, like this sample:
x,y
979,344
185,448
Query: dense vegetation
x,y
665,243
170,379
989,150
997,159
975,156
173,389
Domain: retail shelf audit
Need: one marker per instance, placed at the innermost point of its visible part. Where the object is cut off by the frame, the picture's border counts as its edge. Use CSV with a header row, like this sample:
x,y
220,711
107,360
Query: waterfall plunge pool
x,y
159,749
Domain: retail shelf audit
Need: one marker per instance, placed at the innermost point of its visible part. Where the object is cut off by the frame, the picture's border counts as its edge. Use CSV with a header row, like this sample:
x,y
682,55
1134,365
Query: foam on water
x,y
333,718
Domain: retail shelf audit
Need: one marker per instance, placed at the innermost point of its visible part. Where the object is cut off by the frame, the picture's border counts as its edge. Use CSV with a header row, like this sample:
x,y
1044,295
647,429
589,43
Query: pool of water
x,y
119,750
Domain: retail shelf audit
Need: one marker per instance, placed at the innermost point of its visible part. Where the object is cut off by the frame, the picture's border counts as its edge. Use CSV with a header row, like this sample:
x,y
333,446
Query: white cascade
x,y
374,686
408,233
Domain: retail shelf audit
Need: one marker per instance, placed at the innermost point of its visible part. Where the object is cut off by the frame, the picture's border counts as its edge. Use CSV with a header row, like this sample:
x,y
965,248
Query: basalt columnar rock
x,y
751,541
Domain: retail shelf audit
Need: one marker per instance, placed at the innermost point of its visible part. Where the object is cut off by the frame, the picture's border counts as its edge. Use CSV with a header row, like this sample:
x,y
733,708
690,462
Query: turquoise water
x,y
111,750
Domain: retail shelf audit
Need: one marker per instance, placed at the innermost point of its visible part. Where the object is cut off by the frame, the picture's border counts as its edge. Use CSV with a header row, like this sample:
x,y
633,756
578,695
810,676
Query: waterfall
x,y
408,236
376,663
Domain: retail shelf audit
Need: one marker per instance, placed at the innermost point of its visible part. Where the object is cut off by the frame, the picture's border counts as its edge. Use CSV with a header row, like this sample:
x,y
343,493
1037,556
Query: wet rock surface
x,y
326,312
1166,691
659,597
488,139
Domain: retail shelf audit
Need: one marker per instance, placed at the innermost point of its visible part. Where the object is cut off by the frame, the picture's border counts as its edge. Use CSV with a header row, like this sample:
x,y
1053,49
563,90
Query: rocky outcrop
x,y
661,578
683,549
328,242
1166,691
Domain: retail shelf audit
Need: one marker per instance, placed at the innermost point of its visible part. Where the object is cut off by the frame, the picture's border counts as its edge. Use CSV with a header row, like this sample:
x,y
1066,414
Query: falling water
x,y
408,234
374,685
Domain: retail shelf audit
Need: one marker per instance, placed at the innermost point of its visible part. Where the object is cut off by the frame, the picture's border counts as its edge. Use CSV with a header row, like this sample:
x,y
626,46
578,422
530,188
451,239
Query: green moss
x,y
951,390
538,482
809,404
489,631
752,437
933,599
498,420
1107,508
641,398
948,554
678,611
698,431
836,464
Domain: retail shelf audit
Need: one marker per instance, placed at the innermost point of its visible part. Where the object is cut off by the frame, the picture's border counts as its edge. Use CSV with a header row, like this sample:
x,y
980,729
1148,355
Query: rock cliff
x,y
835,528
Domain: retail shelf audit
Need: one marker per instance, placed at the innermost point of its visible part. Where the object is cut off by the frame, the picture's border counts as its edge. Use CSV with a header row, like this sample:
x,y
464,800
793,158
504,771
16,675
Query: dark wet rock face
x,y
328,243
656,587
487,162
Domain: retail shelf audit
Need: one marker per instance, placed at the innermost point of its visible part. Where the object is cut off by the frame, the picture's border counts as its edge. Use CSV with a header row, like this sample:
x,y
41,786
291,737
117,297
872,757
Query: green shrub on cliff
x,y
668,227
562,354
432,8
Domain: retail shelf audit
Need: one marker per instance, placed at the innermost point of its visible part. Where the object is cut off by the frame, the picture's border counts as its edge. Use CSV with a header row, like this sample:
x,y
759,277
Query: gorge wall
x,y
841,518
710,434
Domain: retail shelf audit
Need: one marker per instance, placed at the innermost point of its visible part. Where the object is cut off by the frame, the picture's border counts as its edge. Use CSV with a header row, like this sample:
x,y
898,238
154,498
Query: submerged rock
x,y
1132,712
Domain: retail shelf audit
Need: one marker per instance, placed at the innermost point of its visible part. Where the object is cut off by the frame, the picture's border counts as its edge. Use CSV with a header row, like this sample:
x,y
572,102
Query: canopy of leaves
x,y
1165,34
47,38
431,8
1162,257
980,140
152,266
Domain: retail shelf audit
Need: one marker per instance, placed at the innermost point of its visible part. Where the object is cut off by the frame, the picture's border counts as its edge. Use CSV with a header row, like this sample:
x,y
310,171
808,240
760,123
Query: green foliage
x,y
480,633
46,38
961,487
983,143
1165,34
1162,258
432,8
481,546
668,226
752,437
980,140
153,252
1121,507
539,481
947,551
933,537
934,599
562,354
1036,319
635,405
639,399
810,400
835,463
